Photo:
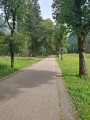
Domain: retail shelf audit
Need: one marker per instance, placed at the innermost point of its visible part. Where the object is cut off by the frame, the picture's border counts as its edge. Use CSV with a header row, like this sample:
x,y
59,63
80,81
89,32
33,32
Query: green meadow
x,y
20,62
79,88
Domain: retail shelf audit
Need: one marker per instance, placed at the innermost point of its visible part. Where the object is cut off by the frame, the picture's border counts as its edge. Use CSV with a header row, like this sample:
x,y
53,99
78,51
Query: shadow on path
x,y
29,78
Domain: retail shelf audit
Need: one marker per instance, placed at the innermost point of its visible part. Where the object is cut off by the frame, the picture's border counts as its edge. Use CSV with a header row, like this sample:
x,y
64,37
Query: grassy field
x,y
20,62
79,88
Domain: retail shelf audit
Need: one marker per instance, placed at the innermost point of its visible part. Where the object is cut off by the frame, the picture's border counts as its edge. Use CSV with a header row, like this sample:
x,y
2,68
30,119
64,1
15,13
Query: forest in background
x,y
73,43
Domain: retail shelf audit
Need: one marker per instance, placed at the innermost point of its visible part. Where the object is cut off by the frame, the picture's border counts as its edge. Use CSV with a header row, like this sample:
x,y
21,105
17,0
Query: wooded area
x,y
23,31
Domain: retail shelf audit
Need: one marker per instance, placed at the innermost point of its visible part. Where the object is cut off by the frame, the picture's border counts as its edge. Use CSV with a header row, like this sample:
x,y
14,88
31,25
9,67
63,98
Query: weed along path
x,y
32,94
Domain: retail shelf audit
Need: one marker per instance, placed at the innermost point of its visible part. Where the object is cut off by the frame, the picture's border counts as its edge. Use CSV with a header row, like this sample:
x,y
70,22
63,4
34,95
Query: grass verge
x,y
79,88
20,62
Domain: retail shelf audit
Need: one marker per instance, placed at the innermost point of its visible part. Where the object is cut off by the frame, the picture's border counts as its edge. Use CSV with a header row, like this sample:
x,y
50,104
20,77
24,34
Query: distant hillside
x,y
88,43
4,27
73,46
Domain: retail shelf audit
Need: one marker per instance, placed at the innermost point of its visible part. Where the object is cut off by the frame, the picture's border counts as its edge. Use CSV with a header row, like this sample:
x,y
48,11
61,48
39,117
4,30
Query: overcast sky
x,y
46,8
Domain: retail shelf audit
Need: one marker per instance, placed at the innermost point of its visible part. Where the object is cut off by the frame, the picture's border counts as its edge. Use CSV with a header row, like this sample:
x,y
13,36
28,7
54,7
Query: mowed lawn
x,y
20,62
79,88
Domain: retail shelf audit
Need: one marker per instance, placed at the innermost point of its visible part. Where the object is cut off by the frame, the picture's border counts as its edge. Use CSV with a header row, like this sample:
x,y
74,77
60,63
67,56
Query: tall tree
x,y
32,25
12,11
75,14
47,32
61,37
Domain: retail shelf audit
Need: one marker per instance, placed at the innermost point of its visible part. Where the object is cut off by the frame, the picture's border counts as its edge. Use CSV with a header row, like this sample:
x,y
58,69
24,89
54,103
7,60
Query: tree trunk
x,y
62,52
11,48
28,53
12,59
82,56
61,42
57,55
33,52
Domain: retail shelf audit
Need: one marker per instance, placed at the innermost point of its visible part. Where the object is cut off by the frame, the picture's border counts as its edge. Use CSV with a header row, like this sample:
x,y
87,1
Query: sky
x,y
46,9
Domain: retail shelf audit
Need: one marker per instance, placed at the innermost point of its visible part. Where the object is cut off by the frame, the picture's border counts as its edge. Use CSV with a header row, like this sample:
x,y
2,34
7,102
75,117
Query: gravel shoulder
x,y
67,107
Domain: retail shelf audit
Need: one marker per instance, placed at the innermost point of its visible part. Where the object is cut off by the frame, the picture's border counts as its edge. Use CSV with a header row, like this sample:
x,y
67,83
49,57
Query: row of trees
x,y
29,34
75,16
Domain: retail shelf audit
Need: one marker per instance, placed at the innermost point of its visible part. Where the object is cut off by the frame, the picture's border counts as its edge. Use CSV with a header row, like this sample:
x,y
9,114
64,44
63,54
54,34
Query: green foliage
x,y
79,88
39,32
3,44
2,37
19,42
12,11
48,24
47,38
34,35
57,40
42,51
73,13
31,26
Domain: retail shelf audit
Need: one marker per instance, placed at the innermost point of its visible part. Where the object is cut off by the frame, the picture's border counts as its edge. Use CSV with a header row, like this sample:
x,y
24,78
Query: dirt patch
x,y
33,60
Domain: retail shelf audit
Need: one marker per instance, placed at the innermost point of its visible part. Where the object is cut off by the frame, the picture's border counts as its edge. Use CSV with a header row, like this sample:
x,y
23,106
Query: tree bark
x,y
28,52
57,55
82,55
33,52
12,59
62,52
61,42
11,48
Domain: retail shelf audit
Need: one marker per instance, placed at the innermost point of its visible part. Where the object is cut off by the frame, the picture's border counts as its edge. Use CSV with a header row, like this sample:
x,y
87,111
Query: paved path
x,y
31,94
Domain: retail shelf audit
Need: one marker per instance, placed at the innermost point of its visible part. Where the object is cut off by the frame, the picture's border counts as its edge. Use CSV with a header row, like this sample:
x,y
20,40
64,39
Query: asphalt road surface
x,y
31,94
